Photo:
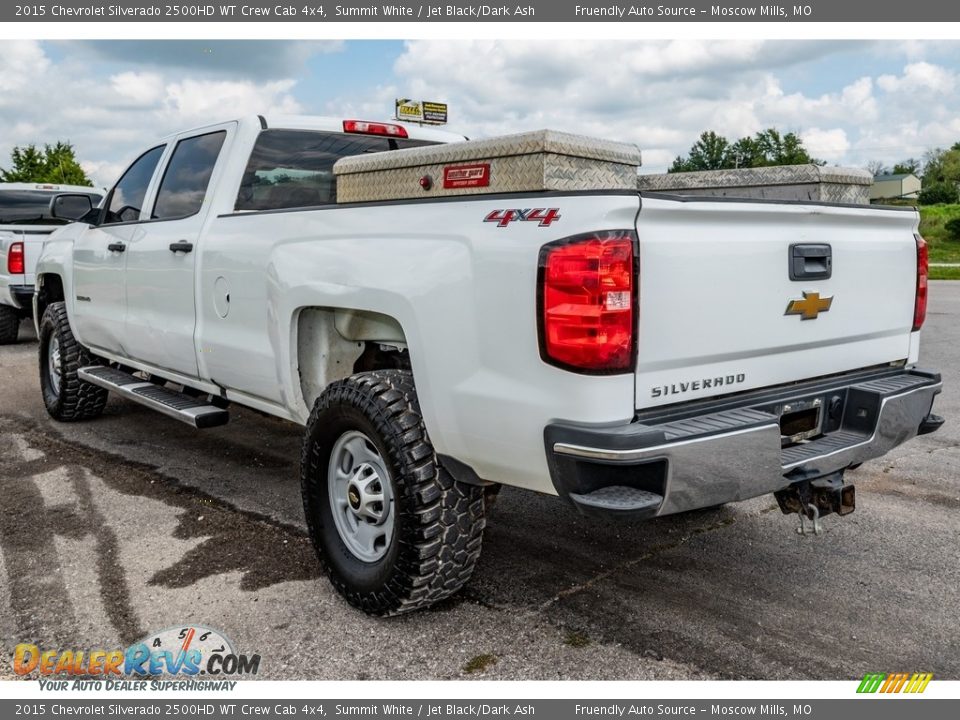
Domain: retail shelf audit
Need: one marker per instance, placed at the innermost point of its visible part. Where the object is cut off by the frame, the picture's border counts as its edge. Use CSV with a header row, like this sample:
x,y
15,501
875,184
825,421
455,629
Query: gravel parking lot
x,y
133,523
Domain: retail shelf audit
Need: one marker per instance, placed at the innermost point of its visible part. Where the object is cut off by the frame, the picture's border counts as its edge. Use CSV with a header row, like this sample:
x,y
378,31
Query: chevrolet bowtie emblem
x,y
811,306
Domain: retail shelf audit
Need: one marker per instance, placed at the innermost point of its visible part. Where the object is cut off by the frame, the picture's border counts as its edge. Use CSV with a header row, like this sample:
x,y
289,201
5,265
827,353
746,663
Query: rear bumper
x,y
21,297
730,450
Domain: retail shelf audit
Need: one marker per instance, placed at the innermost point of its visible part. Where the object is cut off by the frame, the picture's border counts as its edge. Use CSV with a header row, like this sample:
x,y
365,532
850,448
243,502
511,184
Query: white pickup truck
x,y
444,317
25,223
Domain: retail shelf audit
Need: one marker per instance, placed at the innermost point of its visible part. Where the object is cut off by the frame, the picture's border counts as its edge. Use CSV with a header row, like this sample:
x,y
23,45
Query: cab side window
x,y
187,176
127,196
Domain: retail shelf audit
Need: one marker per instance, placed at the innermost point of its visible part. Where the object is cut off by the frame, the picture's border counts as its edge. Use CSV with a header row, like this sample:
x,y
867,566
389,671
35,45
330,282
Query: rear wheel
x,y
394,531
9,325
65,395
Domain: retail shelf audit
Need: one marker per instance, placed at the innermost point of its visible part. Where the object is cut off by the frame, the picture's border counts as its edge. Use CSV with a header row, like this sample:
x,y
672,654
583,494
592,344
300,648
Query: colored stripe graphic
x,y
871,682
894,683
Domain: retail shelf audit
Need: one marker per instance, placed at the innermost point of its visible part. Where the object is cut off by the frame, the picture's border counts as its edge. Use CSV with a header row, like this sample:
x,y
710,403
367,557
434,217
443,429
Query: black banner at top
x,y
578,11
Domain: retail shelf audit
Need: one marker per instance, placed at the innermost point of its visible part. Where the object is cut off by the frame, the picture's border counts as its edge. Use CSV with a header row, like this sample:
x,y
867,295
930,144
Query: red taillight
x,y
15,259
374,128
923,272
587,302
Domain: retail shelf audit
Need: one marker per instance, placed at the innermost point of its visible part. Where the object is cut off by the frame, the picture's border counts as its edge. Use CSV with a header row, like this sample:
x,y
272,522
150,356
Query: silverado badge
x,y
810,307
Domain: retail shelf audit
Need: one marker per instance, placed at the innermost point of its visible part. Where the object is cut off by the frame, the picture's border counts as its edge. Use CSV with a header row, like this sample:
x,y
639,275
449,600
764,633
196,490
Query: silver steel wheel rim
x,y
361,496
53,364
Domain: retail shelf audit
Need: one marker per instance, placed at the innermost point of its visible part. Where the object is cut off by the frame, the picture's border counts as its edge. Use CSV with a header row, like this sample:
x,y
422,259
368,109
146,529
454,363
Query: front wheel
x,y
66,397
394,531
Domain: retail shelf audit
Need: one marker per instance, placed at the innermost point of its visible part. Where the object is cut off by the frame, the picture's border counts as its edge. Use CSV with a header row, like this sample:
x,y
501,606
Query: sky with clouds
x,y
851,101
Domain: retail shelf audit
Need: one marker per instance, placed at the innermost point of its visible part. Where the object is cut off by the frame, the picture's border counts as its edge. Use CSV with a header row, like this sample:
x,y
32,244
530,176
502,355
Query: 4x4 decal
x,y
544,216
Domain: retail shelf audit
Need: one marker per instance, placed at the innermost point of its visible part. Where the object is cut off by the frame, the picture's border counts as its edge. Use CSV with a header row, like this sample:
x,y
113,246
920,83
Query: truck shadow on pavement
x,y
262,551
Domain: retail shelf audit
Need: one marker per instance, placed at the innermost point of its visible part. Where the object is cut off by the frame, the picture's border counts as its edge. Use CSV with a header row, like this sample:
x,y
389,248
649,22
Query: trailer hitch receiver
x,y
813,499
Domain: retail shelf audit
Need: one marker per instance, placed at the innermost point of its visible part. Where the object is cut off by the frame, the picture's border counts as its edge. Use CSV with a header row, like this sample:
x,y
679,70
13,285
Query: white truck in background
x,y
444,317
25,223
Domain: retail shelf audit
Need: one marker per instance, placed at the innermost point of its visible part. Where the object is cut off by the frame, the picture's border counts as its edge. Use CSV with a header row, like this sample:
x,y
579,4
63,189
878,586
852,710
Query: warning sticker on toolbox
x,y
463,176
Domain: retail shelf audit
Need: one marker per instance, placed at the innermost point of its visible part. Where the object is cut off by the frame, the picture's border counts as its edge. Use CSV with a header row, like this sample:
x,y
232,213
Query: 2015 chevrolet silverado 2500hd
x,y
25,223
443,316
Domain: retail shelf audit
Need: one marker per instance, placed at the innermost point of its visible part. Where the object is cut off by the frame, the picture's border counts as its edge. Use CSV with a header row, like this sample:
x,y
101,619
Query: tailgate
x,y
33,239
715,290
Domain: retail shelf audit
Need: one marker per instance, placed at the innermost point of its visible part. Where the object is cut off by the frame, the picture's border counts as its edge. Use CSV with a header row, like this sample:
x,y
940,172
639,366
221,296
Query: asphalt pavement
x,y
132,523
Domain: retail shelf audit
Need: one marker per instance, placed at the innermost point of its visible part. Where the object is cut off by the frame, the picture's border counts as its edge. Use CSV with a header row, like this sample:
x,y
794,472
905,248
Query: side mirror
x,y
70,206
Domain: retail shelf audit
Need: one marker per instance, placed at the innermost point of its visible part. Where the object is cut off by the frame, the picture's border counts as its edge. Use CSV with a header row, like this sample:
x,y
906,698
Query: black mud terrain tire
x,y
438,523
65,395
9,325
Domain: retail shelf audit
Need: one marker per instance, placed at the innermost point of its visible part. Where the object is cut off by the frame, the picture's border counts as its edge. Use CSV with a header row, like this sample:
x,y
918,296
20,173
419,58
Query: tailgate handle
x,y
811,261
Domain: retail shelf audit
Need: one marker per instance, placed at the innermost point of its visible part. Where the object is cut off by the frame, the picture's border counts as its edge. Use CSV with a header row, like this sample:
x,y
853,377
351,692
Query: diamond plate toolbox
x,y
527,162
785,182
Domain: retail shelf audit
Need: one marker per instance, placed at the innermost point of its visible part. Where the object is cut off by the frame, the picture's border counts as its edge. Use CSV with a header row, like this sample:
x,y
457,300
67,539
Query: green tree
x,y
936,193
952,227
54,164
746,153
786,149
951,166
906,167
933,165
766,148
709,152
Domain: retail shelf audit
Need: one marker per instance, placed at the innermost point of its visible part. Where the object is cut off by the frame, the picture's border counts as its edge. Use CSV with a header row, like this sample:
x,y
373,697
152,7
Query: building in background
x,y
901,185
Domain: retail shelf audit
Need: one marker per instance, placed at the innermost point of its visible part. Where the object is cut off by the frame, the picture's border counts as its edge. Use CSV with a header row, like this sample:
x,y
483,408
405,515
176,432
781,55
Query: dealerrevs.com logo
x,y
185,652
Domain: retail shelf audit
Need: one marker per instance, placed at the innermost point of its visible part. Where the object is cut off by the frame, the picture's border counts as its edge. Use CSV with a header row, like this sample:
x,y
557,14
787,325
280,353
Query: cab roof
x,y
51,187
334,124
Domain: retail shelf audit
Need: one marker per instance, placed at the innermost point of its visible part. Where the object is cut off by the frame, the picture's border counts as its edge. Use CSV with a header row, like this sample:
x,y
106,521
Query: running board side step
x,y
193,411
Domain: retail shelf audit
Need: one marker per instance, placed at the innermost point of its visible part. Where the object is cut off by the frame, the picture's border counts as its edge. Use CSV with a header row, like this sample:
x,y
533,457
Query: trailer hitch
x,y
816,498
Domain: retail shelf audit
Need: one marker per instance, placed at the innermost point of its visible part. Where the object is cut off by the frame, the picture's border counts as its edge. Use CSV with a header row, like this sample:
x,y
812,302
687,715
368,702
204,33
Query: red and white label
x,y
463,176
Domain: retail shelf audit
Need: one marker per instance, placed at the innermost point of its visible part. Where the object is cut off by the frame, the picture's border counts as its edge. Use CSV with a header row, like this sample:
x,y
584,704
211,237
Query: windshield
x,y
31,207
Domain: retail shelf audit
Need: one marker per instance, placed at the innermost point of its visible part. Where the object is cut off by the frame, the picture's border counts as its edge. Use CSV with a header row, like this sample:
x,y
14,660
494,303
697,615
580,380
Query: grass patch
x,y
945,273
479,663
576,639
932,221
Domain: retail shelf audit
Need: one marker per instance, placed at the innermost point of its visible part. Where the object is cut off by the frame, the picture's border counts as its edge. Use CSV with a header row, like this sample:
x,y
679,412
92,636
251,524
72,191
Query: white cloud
x,y
204,100
112,99
830,145
19,61
661,95
920,77
140,88
110,120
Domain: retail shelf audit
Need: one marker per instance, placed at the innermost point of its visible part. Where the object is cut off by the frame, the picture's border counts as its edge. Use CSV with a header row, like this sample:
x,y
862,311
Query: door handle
x,y
116,247
181,246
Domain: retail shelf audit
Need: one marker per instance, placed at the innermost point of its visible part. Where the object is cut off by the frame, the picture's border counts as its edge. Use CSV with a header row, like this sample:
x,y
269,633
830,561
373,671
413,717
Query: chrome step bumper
x,y
735,453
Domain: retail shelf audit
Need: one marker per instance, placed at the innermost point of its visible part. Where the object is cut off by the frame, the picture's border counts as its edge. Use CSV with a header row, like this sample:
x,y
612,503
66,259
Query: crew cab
x,y
446,316
25,223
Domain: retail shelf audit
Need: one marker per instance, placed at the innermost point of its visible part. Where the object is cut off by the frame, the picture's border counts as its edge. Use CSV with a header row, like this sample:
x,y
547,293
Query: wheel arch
x,y
49,289
332,343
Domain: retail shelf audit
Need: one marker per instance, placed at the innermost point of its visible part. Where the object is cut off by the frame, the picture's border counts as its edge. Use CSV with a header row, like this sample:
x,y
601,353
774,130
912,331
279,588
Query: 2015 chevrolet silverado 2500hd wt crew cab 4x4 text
x,y
25,223
444,316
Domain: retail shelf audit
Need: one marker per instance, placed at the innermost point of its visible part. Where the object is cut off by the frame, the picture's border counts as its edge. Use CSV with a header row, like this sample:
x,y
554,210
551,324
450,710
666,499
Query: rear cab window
x,y
294,168
32,207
